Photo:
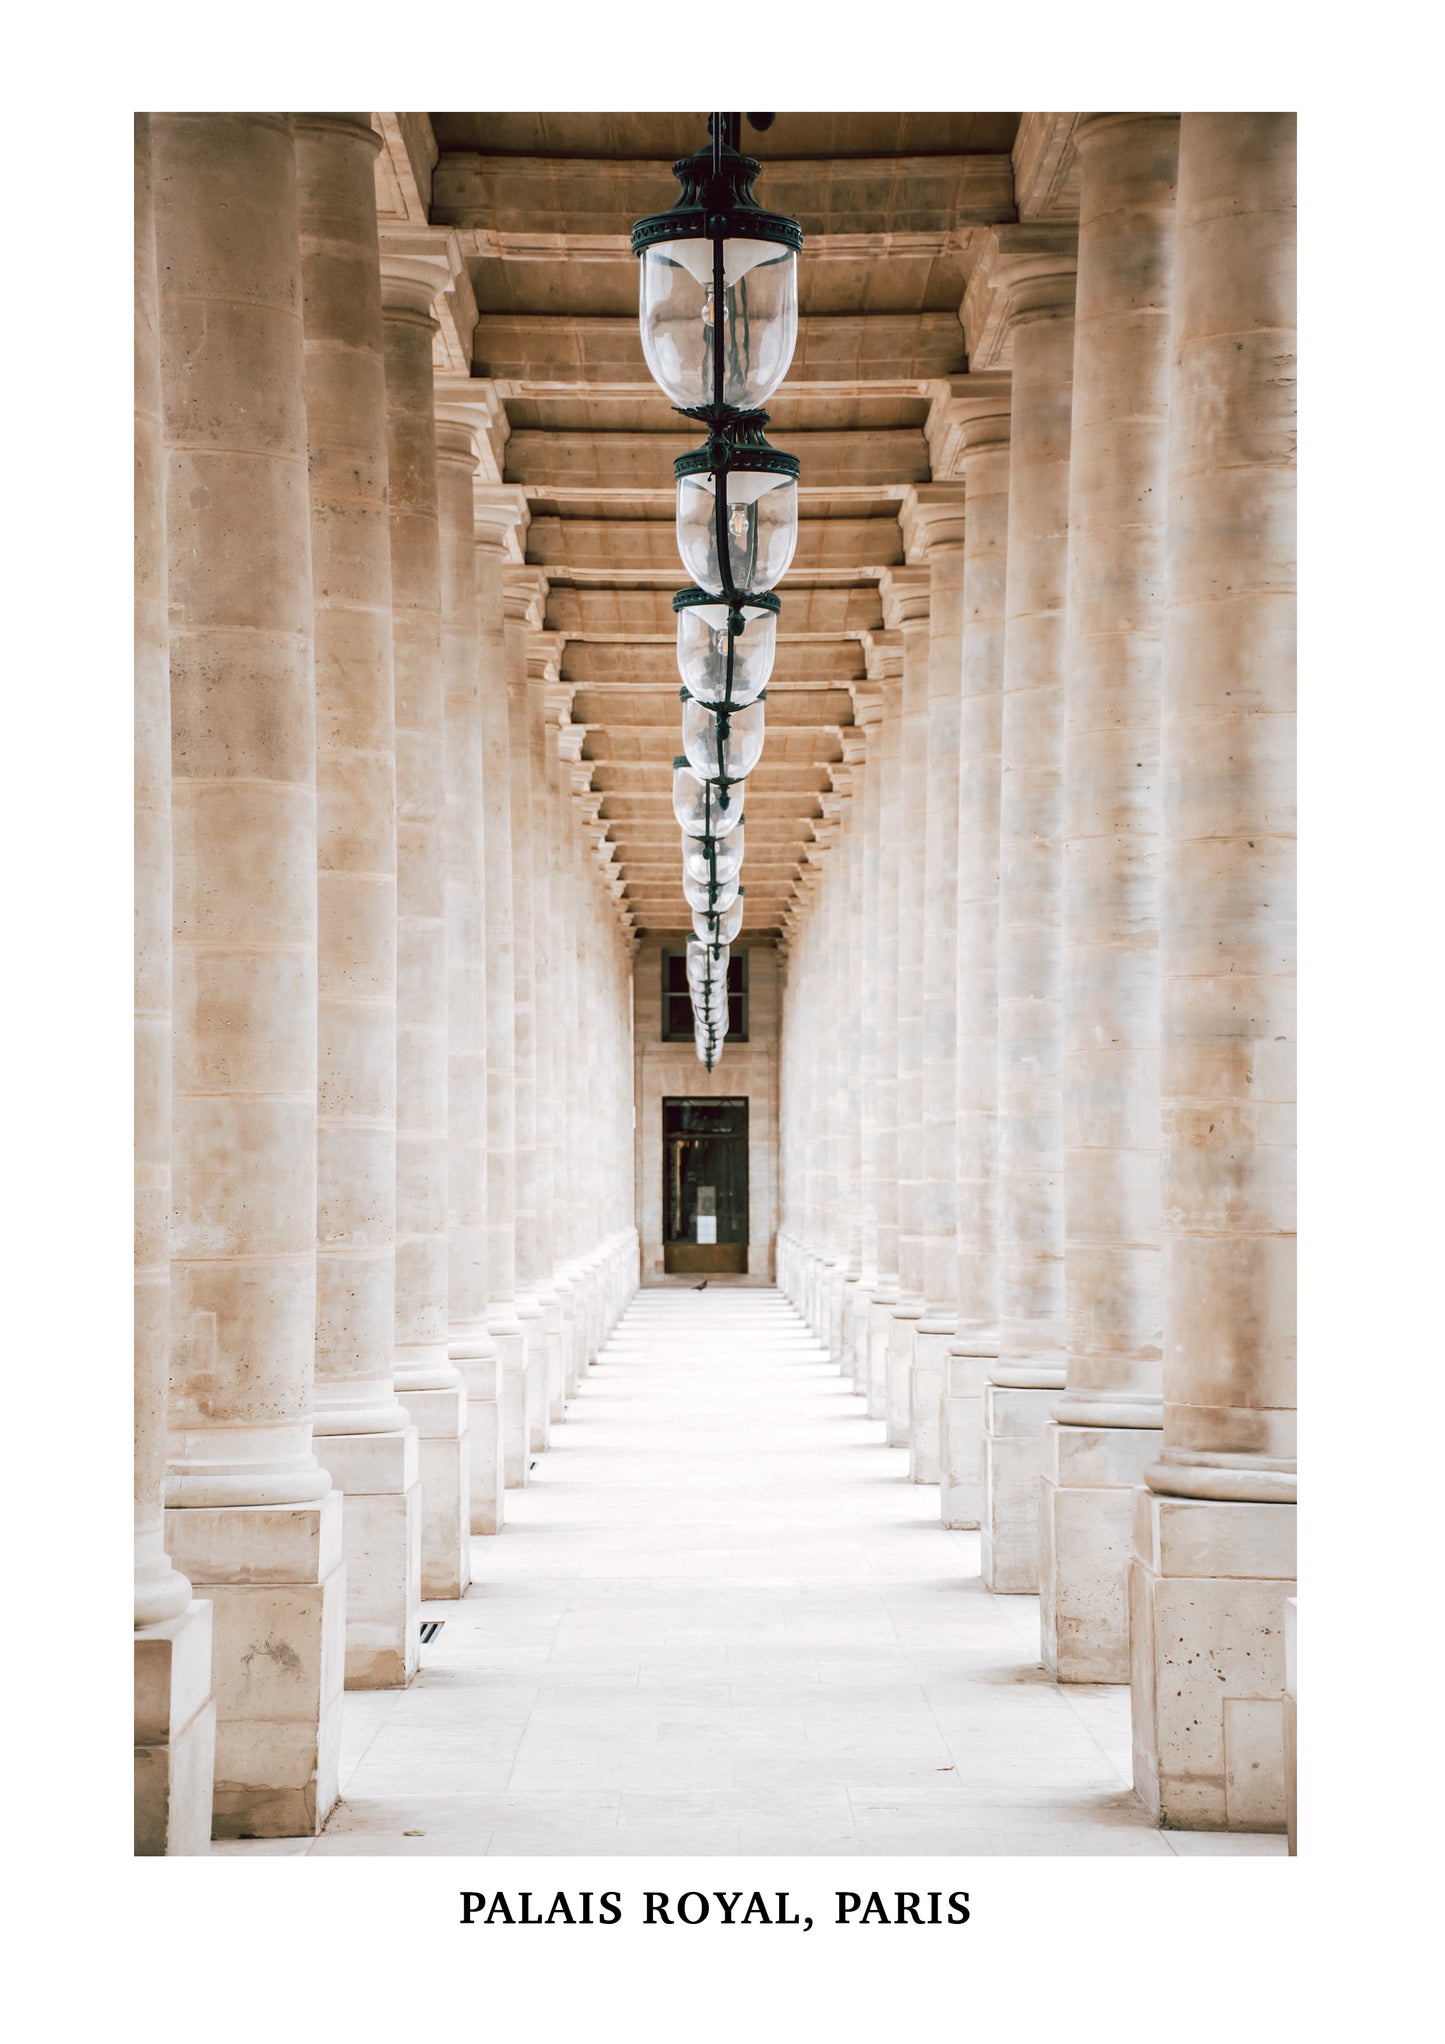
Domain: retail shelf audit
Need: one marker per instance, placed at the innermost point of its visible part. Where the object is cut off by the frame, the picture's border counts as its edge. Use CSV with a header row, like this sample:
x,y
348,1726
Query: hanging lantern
x,y
706,859
705,960
704,808
715,899
722,745
737,508
725,651
719,283
719,929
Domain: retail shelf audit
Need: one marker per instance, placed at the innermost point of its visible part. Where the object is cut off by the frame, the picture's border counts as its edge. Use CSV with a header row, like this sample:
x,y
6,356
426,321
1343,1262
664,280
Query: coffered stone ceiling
x,y
538,337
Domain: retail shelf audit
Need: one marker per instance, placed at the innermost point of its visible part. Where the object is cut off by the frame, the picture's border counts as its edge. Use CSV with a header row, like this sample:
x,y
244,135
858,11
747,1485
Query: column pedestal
x,y
927,1374
534,1375
483,1498
175,1734
1085,1520
898,1389
507,1333
1015,1415
880,1329
276,1579
1208,1586
379,1475
960,1437
444,1427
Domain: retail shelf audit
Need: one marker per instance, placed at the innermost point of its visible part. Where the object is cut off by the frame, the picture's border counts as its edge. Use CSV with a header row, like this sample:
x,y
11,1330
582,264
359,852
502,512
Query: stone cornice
x,y
423,272
524,595
931,517
867,705
471,403
969,416
883,657
1027,273
501,517
905,593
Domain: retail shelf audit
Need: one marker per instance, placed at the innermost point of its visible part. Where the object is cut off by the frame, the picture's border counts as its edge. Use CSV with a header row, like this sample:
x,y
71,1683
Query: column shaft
x,y
984,462
363,1436
428,1381
1107,1419
1214,1530
502,1322
1035,275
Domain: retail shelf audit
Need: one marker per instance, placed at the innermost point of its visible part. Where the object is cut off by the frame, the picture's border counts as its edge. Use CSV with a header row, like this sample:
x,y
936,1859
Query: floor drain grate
x,y
430,1627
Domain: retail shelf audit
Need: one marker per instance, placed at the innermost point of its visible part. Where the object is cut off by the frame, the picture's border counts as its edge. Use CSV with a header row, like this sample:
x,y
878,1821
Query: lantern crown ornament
x,y
719,314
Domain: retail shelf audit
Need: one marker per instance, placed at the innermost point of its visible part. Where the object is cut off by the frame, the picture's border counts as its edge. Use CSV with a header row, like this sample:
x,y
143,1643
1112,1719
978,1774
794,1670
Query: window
x,y
677,1024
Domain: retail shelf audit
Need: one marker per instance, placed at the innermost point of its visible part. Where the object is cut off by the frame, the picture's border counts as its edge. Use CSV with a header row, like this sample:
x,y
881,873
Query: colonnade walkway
x,y
722,1620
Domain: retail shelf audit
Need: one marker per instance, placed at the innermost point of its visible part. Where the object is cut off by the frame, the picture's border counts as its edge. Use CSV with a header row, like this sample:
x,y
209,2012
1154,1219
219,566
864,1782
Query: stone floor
x,y
721,1620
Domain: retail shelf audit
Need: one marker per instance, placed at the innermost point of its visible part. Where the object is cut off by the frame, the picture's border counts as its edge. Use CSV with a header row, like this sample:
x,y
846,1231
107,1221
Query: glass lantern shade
x,y
720,662
683,323
704,961
706,859
722,745
719,929
702,807
760,513
700,895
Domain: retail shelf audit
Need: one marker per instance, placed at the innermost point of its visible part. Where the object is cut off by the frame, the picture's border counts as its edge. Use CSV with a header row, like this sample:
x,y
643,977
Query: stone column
x,y
413,273
1031,281
866,709
885,662
1214,1530
472,1347
541,797
175,1713
905,608
523,595
1105,1428
363,1435
830,1115
980,419
851,1019
252,1516
496,513
932,520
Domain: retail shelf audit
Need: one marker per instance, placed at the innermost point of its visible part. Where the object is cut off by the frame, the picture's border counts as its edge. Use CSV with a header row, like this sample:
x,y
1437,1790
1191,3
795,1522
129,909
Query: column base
x,y
534,1378
880,1327
897,1410
925,1402
175,1734
379,1475
483,1506
1014,1418
1086,1506
1208,1585
276,1579
512,1376
443,1420
960,1440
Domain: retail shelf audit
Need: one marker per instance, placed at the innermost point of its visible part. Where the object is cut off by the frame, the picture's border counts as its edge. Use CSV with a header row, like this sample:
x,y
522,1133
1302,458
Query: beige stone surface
x,y
161,1593
175,1733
